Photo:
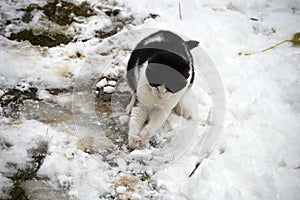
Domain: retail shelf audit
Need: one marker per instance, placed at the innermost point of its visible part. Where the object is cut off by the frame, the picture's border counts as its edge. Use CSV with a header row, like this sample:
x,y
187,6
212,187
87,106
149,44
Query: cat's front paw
x,y
134,141
187,115
183,112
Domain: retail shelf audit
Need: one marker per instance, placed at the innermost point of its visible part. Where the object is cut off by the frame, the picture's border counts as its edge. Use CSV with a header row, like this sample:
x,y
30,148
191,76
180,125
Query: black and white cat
x,y
159,72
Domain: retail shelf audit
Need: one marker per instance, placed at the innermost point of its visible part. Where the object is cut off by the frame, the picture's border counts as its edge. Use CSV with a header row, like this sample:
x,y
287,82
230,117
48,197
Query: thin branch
x,y
198,164
196,167
272,47
180,16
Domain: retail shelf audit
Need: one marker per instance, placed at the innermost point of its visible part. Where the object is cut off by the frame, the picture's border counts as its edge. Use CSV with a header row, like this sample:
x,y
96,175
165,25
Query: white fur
x,y
153,107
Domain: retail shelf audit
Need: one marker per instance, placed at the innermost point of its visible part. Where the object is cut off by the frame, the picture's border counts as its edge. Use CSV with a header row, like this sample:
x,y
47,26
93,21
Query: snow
x,y
257,155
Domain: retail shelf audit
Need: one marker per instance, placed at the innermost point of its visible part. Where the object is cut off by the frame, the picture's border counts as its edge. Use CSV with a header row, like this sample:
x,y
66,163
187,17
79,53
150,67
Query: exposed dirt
x,y
48,39
12,98
29,173
106,107
63,13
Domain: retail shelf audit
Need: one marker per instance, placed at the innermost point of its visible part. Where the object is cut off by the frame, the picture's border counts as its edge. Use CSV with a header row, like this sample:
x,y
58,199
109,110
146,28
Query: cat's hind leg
x,y
131,103
182,110
183,107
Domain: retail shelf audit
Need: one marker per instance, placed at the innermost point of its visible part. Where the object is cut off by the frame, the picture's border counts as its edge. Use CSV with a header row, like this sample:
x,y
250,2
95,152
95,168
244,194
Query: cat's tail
x,y
191,44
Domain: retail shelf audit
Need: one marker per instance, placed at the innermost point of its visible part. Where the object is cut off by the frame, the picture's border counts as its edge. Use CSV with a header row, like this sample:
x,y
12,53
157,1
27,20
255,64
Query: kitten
x,y
159,72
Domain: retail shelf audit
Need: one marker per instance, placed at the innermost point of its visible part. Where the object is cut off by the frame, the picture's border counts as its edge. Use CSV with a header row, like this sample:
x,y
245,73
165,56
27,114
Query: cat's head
x,y
167,74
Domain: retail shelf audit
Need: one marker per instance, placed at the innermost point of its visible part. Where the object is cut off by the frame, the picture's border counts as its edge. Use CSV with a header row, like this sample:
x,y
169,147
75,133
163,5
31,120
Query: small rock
x,y
22,87
126,181
124,119
108,89
1,93
43,94
112,83
121,189
69,154
101,83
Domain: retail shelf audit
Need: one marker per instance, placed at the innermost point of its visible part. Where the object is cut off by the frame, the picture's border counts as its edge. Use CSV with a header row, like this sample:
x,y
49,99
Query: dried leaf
x,y
296,39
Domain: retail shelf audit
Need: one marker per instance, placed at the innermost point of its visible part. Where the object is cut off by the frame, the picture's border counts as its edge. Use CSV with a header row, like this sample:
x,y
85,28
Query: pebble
x,y
22,87
43,94
1,93
108,89
101,83
113,83
124,119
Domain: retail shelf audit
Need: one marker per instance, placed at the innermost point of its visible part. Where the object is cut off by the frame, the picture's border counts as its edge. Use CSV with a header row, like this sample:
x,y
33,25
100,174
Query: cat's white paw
x,y
183,112
134,141
187,115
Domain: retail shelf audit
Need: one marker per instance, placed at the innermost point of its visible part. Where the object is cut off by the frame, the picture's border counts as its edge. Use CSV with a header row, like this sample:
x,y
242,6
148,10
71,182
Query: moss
x,y
145,176
112,12
11,100
17,193
63,13
38,155
30,8
27,17
109,32
60,12
296,39
44,39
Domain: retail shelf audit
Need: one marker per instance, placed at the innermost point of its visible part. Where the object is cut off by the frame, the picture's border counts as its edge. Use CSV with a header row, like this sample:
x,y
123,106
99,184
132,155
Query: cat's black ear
x,y
191,44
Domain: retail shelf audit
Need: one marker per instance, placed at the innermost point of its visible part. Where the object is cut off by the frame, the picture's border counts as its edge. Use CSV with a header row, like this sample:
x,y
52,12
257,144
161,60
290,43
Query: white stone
x,y
124,119
43,94
121,189
113,83
101,83
22,87
108,89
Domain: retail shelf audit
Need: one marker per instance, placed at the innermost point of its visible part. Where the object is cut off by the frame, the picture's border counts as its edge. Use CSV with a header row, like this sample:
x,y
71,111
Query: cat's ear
x,y
191,44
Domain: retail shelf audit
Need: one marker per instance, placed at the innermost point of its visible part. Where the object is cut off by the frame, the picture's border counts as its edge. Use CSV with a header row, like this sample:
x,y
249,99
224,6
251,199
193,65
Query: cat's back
x,y
164,41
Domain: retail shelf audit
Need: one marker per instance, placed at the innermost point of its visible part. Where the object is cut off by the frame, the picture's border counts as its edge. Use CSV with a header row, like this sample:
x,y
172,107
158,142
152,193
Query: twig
x,y
267,49
272,47
198,164
196,167
180,16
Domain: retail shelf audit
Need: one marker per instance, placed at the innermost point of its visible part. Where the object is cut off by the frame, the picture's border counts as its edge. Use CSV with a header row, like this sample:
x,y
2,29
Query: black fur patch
x,y
168,69
169,60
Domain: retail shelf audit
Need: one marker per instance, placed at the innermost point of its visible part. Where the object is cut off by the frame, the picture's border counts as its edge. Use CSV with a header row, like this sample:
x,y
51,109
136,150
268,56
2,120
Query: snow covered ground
x,y
59,141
